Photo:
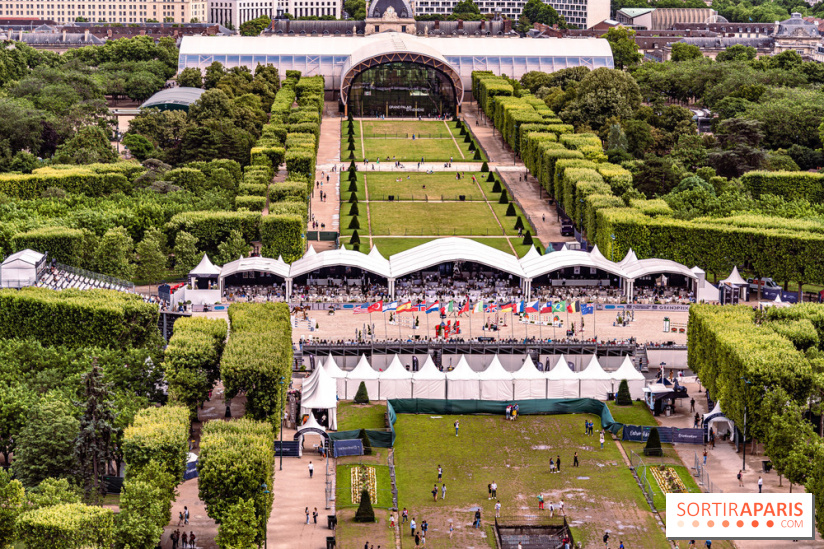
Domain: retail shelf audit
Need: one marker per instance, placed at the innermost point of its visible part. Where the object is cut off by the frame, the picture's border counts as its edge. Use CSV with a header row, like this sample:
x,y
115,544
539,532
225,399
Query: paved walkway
x,y
723,464
327,212
528,193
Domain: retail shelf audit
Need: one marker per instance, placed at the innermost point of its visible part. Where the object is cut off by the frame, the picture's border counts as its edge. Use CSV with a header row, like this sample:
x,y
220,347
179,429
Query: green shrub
x,y
365,513
252,189
355,238
510,211
283,235
789,185
362,396
496,188
504,198
519,223
490,178
653,445
161,434
353,198
484,167
250,203
213,227
353,210
527,239
477,155
67,526
63,244
353,187
623,398
187,178
287,190
354,223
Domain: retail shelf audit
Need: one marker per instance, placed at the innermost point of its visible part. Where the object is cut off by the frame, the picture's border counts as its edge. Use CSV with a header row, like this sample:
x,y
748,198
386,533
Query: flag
x,y
587,309
493,307
405,306
547,308
450,307
391,307
465,308
559,307
479,307
434,308
509,308
521,306
533,307
376,307
573,307
359,310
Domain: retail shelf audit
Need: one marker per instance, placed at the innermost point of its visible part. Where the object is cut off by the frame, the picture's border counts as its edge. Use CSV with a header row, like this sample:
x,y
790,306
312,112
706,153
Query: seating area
x,y
58,277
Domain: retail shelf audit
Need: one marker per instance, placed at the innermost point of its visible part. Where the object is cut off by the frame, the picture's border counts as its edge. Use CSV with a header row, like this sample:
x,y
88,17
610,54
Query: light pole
x,y
612,250
265,489
282,417
744,434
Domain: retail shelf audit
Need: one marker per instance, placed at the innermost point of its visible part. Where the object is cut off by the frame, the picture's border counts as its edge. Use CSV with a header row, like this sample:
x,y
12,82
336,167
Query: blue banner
x,y
348,447
668,435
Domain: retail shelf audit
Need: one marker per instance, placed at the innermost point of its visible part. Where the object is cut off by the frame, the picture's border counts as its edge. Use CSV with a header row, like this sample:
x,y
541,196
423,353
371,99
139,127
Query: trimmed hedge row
x,y
63,244
283,235
159,434
67,526
77,180
789,185
78,318
250,203
211,228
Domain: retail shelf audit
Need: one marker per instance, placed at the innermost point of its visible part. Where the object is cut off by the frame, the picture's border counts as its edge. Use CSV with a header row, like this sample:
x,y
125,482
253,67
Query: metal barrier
x,y
640,468
129,286
702,477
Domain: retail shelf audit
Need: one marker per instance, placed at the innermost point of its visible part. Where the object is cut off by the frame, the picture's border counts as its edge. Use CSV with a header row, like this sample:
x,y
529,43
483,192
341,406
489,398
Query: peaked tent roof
x,y
311,423
261,264
312,261
363,370
562,371
462,371
594,370
323,394
627,371
332,368
205,268
26,256
528,371
428,371
395,370
450,249
495,371
716,410
735,278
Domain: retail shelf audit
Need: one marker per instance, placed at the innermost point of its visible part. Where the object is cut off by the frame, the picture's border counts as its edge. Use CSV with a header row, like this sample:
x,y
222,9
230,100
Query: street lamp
x,y
282,417
744,434
265,489
612,250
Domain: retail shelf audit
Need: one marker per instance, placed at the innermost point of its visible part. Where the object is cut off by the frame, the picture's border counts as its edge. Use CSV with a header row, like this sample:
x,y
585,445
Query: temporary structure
x,y
20,269
205,271
635,379
429,382
395,381
362,372
718,421
562,382
320,394
337,374
528,382
496,383
595,382
463,382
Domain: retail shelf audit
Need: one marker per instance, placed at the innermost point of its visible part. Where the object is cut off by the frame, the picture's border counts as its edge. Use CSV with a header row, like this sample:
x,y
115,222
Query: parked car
x,y
765,283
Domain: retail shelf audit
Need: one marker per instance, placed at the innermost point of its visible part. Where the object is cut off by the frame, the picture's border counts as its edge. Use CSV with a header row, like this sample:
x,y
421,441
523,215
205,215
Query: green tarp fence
x,y
386,438
529,407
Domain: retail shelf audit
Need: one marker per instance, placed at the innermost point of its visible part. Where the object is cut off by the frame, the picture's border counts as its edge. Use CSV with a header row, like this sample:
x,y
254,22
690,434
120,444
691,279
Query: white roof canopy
x,y
395,370
332,368
428,371
462,372
627,371
561,371
205,269
528,371
735,278
594,370
363,370
258,264
446,250
322,393
495,370
313,261
26,256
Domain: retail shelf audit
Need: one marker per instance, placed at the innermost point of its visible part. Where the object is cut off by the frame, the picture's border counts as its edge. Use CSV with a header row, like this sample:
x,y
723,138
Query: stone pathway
x,y
328,211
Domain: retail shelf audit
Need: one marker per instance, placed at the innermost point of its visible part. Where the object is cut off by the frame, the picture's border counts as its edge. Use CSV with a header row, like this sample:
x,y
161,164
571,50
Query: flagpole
x,y
371,327
385,327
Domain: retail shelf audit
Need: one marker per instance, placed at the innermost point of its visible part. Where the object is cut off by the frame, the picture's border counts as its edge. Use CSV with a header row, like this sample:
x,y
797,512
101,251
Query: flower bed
x,y
364,477
668,480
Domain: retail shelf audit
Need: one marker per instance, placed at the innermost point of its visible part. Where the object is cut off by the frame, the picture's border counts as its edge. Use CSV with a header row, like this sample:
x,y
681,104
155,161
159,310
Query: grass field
x,y
433,219
360,416
600,494
390,246
343,488
422,186
435,141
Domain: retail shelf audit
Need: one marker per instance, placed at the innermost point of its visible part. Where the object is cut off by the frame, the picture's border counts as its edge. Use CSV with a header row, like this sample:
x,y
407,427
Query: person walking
x,y
692,404
185,540
404,516
424,527
315,516
412,526
180,518
173,538
575,460
477,522
192,540
451,529
558,463
185,515
551,465
417,540
392,521
311,470
494,487
498,509
586,426
443,491
540,502
435,493
602,440
457,426
740,477
709,544
760,484
307,515
620,545
606,539
705,455
561,508
440,473
551,510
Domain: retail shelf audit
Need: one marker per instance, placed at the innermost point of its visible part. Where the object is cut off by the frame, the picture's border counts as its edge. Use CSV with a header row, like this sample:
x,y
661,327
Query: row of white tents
x,y
463,383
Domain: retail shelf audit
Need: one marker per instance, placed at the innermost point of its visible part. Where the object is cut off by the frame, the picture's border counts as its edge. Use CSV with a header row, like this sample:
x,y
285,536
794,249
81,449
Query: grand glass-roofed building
x,y
393,71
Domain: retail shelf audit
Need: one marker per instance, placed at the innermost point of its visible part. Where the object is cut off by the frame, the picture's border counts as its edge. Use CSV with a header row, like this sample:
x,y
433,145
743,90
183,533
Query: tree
x,y
45,447
232,248
52,491
690,152
89,146
625,52
141,85
623,398
362,396
214,73
739,149
535,11
139,146
186,255
138,525
24,162
737,52
254,27
15,402
602,95
152,256
114,252
93,448
653,445
466,10
527,238
617,139
12,498
355,9
685,52
190,77
237,530
657,176
365,512
788,117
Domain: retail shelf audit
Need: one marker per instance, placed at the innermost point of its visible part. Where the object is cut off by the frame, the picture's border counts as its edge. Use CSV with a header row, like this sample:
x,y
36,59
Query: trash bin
x,y
766,466
330,542
331,521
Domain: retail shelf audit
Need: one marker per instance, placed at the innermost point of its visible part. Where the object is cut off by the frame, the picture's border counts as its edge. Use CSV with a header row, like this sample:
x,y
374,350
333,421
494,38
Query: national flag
x,y
449,307
533,307
376,307
559,307
465,308
359,310
547,308
434,308
491,308
573,307
391,307
587,309
521,306
405,306
509,308
479,307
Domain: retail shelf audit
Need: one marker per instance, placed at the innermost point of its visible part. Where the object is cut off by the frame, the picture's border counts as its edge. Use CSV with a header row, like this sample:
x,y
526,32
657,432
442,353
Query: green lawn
x,y
352,534
515,455
438,219
404,128
421,186
659,498
637,414
508,222
468,155
409,150
360,416
343,488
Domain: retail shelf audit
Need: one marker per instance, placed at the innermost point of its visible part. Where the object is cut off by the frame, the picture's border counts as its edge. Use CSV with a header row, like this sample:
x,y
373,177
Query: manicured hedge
x,y
250,203
212,228
790,185
618,178
274,154
252,189
283,235
77,180
286,190
78,318
63,244
67,526
159,434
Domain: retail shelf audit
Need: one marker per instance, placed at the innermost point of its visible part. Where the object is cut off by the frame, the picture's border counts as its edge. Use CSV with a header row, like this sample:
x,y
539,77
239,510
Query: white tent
x,y
635,379
562,382
395,381
362,372
429,382
20,269
205,269
529,383
496,383
339,375
718,421
595,382
463,382
320,394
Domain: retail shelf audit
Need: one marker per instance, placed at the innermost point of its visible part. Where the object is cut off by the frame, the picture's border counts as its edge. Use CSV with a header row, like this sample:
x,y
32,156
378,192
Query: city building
x,y
110,11
394,71
664,18
581,13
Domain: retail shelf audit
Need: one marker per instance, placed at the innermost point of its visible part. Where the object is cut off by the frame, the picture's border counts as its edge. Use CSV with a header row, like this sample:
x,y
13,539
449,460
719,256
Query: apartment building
x,y
581,13
110,11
